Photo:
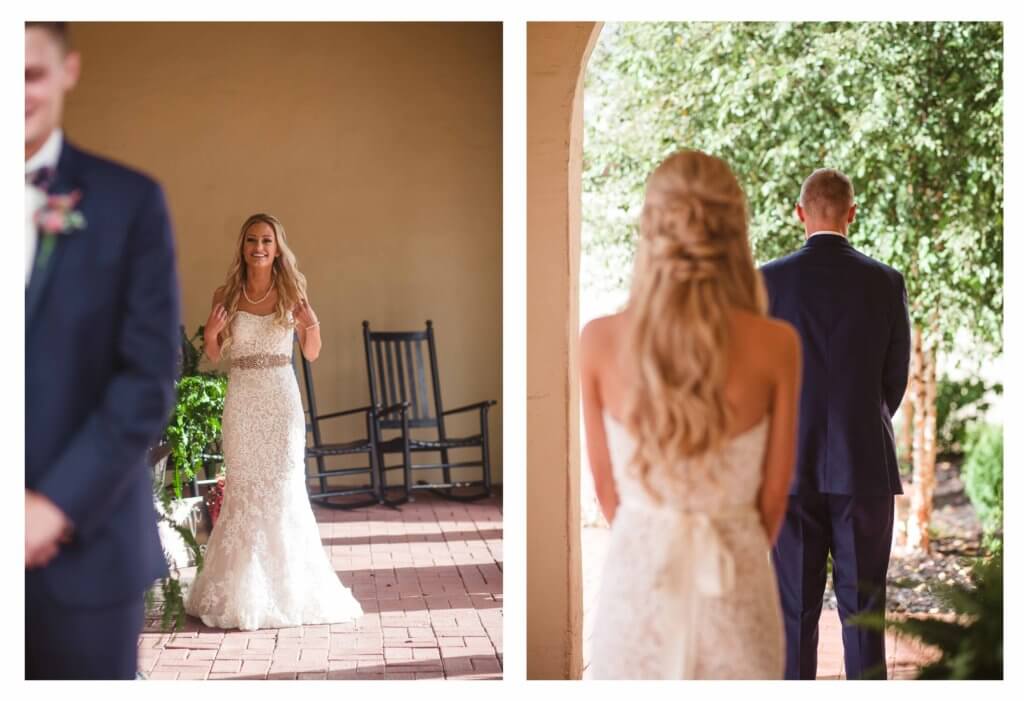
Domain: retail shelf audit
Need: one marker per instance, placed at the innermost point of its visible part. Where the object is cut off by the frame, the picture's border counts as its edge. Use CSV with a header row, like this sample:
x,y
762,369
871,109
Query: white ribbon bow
x,y
698,564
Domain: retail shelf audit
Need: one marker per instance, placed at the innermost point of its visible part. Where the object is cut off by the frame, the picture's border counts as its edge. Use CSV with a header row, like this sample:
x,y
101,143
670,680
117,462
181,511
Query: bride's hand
x,y
304,315
216,322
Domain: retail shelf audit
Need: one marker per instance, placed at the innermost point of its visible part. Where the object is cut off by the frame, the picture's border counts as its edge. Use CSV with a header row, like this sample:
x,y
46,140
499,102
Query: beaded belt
x,y
261,361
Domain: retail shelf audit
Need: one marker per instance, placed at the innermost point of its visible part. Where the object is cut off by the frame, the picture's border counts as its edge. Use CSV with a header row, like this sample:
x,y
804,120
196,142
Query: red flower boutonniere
x,y
55,218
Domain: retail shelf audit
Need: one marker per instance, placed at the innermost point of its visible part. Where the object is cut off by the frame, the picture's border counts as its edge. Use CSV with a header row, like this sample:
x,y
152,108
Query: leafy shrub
x,y
172,615
195,423
983,475
958,403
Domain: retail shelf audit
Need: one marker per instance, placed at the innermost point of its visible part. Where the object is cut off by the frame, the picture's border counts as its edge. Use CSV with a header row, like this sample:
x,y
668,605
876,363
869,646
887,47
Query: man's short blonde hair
x,y
827,193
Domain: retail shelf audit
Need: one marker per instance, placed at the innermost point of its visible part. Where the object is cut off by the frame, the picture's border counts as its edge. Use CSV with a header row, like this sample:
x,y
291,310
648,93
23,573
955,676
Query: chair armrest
x,y
469,407
401,407
159,452
347,412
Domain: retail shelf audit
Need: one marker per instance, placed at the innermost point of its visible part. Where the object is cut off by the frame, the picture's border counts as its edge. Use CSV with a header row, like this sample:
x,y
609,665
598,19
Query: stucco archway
x,y
557,54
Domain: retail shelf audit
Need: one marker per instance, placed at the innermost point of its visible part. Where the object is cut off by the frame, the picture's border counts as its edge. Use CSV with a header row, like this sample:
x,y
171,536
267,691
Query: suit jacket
x,y
851,314
101,343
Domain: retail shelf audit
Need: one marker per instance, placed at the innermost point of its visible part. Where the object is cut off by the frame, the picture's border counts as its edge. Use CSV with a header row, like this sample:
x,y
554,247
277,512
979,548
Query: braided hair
x,y
693,265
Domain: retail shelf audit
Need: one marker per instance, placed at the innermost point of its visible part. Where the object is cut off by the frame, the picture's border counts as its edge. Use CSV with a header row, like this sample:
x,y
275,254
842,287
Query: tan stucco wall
x,y
377,145
556,56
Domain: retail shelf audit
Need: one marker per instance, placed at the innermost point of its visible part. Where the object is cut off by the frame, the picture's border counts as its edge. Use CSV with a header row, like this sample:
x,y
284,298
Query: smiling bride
x,y
265,566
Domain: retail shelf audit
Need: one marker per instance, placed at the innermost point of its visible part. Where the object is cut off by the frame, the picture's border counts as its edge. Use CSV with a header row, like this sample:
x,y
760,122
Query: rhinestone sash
x,y
261,361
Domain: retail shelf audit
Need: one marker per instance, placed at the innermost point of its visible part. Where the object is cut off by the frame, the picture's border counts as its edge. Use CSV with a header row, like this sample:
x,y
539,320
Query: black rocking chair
x,y
321,492
397,375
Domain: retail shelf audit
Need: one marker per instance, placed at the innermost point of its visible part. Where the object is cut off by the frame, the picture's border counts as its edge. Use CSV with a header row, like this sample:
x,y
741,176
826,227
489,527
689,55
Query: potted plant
x,y
194,427
195,424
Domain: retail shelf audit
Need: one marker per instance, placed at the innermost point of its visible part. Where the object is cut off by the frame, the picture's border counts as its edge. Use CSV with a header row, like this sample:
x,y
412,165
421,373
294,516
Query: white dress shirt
x,y
35,198
831,233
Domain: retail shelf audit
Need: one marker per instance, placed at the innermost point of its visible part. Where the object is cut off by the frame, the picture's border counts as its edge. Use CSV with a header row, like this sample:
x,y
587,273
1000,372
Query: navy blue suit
x,y
101,340
851,314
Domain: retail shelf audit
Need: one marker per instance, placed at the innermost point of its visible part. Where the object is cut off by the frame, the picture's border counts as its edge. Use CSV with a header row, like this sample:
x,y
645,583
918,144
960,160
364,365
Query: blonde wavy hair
x,y
693,265
288,282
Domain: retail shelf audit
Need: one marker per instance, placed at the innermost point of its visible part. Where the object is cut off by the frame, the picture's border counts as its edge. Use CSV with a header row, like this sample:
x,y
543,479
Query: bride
x,y
689,401
265,566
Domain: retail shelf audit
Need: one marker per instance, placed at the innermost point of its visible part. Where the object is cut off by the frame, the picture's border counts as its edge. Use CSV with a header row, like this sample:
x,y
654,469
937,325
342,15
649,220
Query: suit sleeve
x,y
92,474
897,360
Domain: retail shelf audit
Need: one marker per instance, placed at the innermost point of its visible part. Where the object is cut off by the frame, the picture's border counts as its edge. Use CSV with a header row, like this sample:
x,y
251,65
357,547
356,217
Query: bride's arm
x,y
215,323
308,328
597,445
780,453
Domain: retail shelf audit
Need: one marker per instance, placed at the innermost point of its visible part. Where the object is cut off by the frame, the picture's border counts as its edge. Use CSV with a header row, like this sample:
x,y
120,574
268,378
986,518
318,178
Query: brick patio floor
x,y
905,656
429,578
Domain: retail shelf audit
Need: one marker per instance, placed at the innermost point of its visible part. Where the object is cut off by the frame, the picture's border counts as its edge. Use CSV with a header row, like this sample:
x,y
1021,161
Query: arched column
x,y
557,54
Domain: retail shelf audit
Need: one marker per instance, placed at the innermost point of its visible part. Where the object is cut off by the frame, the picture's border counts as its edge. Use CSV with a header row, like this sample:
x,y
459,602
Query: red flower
x,y
215,498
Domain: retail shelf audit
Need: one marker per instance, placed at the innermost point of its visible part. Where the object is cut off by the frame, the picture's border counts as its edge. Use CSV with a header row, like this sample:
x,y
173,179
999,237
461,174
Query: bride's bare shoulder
x,y
774,337
600,339
599,330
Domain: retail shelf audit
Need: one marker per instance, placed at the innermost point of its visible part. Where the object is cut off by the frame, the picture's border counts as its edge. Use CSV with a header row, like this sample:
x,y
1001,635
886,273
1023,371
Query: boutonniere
x,y
57,217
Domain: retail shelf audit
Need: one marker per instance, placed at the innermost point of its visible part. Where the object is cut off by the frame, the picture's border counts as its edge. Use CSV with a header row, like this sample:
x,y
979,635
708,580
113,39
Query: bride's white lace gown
x,y
688,590
265,566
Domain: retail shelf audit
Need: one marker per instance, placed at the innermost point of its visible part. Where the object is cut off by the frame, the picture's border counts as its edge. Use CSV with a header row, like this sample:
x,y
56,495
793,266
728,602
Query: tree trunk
x,y
905,444
931,443
904,451
923,383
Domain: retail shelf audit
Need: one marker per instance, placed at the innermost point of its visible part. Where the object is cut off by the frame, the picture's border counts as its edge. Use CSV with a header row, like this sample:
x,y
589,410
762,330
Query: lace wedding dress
x,y
265,566
688,590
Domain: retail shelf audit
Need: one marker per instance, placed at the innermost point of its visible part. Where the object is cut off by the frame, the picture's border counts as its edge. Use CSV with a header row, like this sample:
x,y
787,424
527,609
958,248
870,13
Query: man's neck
x,y
825,229
32,147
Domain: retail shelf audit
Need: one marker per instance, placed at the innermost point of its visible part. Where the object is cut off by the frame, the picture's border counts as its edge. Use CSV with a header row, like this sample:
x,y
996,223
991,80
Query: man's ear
x,y
800,213
72,69
851,215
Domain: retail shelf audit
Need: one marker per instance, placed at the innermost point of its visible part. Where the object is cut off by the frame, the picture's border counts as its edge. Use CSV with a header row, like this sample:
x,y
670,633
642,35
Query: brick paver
x,y
905,656
429,578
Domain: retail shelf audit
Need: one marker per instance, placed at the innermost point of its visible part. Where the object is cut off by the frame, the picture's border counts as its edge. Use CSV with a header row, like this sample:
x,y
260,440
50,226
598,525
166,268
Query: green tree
x,y
911,111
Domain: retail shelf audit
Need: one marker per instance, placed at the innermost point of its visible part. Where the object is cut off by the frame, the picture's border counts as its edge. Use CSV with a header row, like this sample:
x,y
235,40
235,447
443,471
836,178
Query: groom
x,y
851,314
101,319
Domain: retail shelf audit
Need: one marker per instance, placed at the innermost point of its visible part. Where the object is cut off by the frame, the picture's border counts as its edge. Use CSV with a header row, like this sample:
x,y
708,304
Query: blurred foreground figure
x,y
101,319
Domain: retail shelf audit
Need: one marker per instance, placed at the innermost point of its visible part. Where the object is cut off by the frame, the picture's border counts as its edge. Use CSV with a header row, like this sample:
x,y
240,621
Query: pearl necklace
x,y
246,295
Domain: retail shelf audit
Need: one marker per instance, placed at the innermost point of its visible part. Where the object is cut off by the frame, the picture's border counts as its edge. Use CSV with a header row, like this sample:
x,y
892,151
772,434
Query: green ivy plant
x,y
172,616
194,426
